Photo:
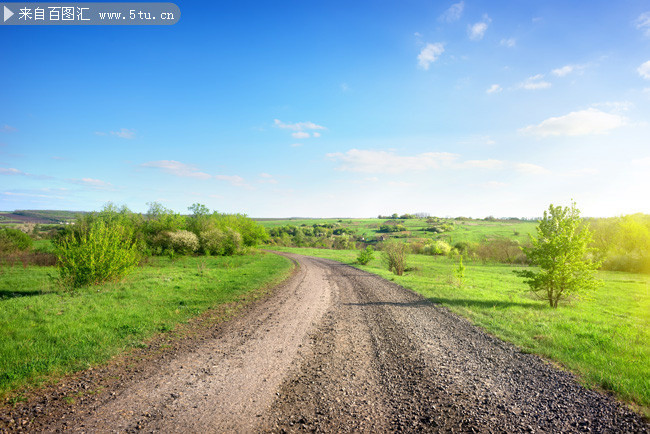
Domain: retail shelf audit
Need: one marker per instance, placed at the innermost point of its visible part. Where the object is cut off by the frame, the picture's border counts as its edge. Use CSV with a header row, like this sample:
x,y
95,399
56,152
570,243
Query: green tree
x,y
561,251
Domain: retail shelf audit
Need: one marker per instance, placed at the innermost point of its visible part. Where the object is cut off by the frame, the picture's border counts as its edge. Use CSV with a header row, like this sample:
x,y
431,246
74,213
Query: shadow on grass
x,y
498,304
13,294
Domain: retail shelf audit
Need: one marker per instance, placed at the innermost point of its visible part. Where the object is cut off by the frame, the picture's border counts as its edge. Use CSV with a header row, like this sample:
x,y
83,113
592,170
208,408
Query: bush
x,y
13,240
500,250
96,254
213,242
184,242
438,247
395,255
343,242
365,256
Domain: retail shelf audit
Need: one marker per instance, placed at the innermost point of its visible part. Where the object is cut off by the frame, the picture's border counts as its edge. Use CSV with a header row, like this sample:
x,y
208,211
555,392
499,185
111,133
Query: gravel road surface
x,y
336,349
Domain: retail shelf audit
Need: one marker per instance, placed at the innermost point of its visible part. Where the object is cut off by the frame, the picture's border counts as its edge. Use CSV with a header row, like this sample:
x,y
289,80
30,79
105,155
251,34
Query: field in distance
x,y
453,230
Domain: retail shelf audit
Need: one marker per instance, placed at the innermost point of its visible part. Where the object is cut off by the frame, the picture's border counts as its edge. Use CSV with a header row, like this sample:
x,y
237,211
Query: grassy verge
x,y
46,332
604,337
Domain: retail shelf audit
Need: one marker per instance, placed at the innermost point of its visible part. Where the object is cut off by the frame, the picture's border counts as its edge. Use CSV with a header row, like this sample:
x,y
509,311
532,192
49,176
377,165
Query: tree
x,y
561,252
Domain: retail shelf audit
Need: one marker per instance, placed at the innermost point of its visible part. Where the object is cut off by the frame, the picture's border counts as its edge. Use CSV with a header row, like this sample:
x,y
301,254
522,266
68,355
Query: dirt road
x,y
337,349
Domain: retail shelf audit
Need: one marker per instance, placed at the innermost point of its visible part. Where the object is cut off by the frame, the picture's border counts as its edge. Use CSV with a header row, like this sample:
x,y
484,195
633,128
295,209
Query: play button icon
x,y
8,13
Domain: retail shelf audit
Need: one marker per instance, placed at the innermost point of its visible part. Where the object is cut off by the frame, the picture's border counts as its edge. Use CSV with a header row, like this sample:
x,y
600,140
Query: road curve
x,y
336,349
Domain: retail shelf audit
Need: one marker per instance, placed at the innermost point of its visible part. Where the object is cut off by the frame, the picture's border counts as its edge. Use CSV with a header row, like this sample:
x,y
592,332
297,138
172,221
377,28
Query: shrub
x,y
96,254
500,250
343,242
234,242
462,247
213,242
438,247
395,256
13,240
184,242
365,256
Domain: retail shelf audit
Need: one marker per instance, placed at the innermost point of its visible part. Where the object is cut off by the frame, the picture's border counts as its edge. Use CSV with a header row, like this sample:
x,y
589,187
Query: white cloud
x,y
477,31
561,72
643,23
510,42
298,126
644,70
535,82
495,88
345,87
357,160
12,171
530,169
177,168
295,145
568,69
429,54
100,133
124,133
233,179
578,123
300,135
90,182
315,134
454,12
267,179
483,164
8,129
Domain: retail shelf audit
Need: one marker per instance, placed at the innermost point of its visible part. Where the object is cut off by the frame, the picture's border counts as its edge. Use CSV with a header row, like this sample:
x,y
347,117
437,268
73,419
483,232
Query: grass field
x,y
46,332
604,337
464,230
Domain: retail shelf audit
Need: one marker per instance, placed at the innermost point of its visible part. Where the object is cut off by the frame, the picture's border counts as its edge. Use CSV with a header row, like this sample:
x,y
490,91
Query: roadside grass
x,y
47,332
603,336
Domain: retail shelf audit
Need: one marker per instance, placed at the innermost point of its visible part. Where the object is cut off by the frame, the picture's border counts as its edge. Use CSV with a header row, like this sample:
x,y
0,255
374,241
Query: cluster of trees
x,y
394,216
108,244
327,236
391,226
622,243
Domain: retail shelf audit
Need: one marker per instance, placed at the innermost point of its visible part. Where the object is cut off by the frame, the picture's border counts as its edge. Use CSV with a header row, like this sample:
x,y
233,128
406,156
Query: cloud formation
x,y
643,23
124,133
8,129
495,88
91,182
177,168
510,42
536,82
298,126
429,54
644,70
454,12
12,171
477,30
183,170
578,123
357,160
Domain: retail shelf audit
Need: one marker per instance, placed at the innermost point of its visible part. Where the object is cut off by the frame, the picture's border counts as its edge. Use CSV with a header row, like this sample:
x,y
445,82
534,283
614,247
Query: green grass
x,y
604,336
46,332
464,230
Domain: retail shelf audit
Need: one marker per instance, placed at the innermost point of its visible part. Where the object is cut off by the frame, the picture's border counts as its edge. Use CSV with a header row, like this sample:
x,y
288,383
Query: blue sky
x,y
335,108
